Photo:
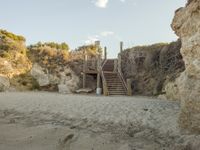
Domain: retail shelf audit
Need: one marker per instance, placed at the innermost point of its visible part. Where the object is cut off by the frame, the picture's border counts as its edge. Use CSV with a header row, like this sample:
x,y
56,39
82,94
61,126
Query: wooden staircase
x,y
112,81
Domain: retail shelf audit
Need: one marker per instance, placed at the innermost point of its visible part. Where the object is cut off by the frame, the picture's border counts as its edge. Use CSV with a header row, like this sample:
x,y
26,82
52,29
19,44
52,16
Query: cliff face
x,y
51,68
43,66
152,67
57,69
186,24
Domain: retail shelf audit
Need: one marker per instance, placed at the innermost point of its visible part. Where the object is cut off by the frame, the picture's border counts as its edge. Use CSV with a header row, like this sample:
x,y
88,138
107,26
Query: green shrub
x,y
5,33
6,55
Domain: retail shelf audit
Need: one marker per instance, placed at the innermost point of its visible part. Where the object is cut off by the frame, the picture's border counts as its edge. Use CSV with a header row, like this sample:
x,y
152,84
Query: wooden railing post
x,y
97,43
129,89
119,65
120,58
98,71
84,69
105,53
115,65
105,89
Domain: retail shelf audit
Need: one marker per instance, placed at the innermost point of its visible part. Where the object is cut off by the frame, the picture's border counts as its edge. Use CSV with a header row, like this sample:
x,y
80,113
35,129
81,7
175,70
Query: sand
x,y
52,121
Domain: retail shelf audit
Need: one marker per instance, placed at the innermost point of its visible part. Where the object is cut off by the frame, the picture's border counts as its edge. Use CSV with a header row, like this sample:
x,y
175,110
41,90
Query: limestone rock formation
x,y
38,73
60,69
66,81
152,67
186,24
4,83
172,91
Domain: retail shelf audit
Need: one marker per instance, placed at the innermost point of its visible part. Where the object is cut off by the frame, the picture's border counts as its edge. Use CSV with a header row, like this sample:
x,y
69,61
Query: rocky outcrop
x,y
65,81
186,24
172,91
13,59
60,70
38,73
152,67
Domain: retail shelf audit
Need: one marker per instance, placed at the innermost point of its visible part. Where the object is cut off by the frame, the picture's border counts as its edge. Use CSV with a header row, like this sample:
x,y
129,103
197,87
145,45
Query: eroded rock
x,y
151,67
66,80
186,24
38,73
4,83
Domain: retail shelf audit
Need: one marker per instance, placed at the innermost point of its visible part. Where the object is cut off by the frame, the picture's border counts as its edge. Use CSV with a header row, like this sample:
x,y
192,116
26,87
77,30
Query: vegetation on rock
x,y
151,67
13,58
5,34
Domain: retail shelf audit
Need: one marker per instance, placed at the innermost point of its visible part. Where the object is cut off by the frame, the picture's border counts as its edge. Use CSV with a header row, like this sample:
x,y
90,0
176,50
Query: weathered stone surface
x,y
4,83
151,67
64,89
172,91
162,97
38,73
65,79
186,24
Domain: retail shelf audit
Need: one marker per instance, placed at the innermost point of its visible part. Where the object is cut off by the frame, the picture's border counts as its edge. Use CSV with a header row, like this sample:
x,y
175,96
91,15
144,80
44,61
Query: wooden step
x,y
117,93
113,88
114,83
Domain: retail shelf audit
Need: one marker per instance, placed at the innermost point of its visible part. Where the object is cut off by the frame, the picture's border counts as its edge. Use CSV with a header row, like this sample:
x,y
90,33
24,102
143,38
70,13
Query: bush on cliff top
x,y
57,46
149,47
4,34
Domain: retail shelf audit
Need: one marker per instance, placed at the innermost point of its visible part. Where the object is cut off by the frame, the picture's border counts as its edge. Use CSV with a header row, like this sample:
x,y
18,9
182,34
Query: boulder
x,y
41,77
162,97
64,89
172,91
4,83
65,79
86,90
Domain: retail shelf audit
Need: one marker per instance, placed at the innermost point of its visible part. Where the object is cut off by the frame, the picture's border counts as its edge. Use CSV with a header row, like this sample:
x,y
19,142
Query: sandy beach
x,y
52,121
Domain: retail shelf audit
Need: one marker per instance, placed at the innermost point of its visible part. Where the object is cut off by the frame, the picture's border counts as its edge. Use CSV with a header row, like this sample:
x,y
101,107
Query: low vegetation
x,y
152,67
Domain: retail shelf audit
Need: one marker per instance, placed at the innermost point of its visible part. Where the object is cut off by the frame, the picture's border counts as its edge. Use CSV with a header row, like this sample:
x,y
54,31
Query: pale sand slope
x,y
50,121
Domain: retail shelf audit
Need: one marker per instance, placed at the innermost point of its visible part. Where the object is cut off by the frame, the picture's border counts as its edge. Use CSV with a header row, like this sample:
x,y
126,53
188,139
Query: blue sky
x,y
78,22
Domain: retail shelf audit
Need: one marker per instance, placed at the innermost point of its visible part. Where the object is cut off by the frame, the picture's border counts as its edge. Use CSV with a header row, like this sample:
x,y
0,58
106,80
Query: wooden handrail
x,y
119,70
123,81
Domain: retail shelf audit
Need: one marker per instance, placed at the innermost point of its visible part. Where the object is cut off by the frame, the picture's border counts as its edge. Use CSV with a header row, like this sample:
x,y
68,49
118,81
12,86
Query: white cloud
x,y
101,3
101,36
107,33
91,39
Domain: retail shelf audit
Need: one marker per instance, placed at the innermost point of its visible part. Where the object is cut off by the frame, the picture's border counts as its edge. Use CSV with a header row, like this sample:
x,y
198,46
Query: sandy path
x,y
49,121
153,113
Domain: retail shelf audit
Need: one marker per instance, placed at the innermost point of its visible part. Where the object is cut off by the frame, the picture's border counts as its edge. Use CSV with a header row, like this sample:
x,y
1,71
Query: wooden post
x,y
115,65
98,70
129,90
84,80
105,89
119,66
105,52
121,47
97,43
120,58
84,69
